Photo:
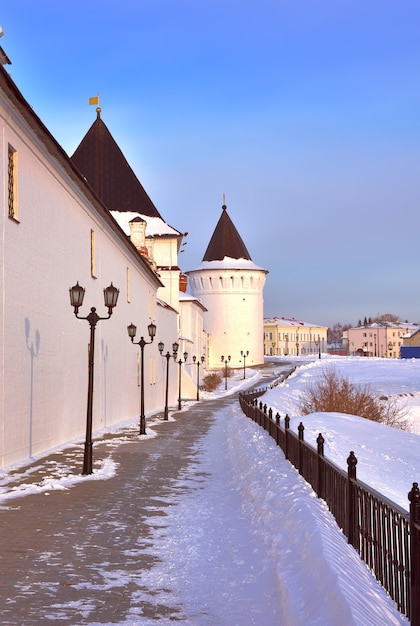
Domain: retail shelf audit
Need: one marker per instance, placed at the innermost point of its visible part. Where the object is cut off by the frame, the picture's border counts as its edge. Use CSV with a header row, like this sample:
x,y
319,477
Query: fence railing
x,y
386,537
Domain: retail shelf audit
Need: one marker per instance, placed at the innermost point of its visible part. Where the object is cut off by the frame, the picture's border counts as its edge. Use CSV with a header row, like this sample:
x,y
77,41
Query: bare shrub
x,y
394,414
334,393
211,382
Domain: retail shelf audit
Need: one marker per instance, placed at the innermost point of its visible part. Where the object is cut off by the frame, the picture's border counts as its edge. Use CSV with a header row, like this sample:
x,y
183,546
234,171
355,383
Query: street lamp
x,y
225,361
198,374
318,345
185,355
244,354
77,294
151,329
167,357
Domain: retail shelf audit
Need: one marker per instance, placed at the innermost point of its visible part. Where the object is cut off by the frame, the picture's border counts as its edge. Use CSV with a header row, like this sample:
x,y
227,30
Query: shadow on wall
x,y
32,346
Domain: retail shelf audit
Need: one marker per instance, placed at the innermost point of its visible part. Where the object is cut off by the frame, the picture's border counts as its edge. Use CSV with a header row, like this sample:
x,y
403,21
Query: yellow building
x,y
284,336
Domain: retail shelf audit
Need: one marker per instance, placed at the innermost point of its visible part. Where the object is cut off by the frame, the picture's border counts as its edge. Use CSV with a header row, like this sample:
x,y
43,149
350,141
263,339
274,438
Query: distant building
x,y
382,339
288,336
410,348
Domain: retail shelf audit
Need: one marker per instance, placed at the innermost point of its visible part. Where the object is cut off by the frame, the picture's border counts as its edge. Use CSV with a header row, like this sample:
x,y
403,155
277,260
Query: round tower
x,y
230,286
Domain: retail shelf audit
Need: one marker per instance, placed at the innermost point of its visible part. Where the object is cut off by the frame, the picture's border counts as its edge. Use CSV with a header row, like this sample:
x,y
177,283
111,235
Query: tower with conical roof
x,y
104,166
230,286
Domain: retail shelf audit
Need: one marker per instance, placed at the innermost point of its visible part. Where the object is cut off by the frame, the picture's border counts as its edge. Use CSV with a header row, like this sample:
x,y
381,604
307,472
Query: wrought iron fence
x,y
386,537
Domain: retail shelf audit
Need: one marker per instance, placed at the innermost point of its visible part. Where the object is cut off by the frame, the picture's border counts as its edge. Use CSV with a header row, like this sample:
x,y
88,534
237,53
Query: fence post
x,y
277,428
320,445
286,436
270,420
301,428
414,497
260,407
351,501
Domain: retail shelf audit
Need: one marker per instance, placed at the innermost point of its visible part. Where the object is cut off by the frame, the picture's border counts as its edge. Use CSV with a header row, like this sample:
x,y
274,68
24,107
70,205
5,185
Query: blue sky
x,y
305,114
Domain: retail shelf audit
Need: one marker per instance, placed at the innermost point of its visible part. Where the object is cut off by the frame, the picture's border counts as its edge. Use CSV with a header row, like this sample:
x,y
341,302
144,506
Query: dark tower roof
x,y
226,241
107,171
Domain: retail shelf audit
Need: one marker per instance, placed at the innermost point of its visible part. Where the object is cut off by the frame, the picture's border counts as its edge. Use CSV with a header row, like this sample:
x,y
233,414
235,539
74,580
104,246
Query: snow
x,y
155,226
249,542
292,322
227,263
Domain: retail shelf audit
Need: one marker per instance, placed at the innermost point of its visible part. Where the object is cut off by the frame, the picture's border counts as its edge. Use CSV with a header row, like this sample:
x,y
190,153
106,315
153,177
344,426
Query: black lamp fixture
x,y
197,361
179,378
151,329
244,354
225,361
318,345
167,356
77,294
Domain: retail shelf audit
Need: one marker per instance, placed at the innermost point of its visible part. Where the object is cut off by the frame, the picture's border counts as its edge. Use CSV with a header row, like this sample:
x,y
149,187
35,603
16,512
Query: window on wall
x,y
12,183
151,305
92,254
128,285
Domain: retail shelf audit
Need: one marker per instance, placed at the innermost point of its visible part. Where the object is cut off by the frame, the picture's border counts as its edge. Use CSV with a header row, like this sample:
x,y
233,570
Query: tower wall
x,y
234,319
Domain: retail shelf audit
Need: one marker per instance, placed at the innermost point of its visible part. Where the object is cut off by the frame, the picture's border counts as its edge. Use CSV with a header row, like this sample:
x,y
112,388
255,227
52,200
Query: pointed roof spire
x,y
226,241
106,169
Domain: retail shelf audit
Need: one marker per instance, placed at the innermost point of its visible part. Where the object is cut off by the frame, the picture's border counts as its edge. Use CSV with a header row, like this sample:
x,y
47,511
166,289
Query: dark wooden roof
x,y
106,169
226,241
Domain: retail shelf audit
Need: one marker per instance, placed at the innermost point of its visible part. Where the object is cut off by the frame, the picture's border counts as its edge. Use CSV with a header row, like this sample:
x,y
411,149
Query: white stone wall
x,y
43,347
194,342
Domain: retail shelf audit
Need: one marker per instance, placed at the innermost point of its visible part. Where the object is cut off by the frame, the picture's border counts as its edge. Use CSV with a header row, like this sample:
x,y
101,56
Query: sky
x,y
249,542
304,114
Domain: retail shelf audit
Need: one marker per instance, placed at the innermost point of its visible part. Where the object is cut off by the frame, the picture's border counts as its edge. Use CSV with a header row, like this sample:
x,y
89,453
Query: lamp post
x,y
198,374
244,354
167,357
77,294
151,329
185,355
374,338
225,361
318,345
297,344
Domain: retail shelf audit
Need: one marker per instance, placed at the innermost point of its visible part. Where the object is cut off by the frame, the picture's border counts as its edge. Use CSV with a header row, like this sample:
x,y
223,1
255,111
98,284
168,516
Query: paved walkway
x,y
58,547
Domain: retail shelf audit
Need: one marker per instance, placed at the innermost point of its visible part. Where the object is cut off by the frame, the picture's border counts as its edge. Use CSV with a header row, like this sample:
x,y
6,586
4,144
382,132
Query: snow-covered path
x,y
251,544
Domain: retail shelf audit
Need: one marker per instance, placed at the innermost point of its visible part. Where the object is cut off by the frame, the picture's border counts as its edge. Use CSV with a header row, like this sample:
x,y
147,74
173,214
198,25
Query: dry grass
x,y
334,393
